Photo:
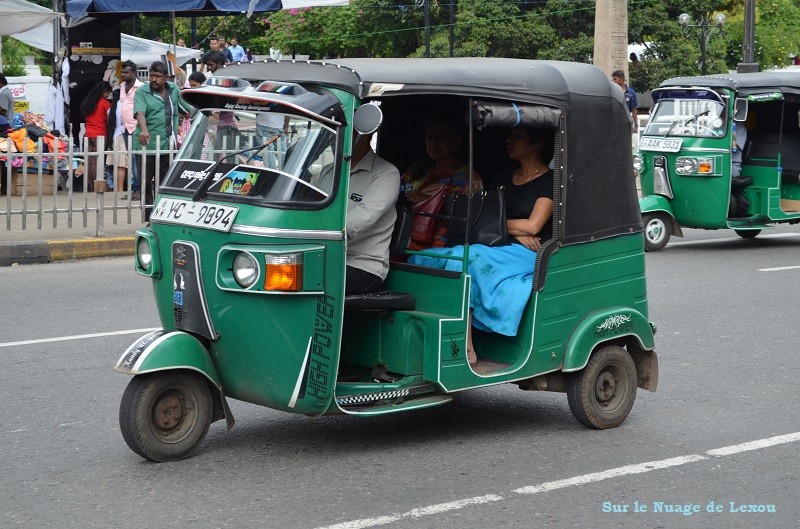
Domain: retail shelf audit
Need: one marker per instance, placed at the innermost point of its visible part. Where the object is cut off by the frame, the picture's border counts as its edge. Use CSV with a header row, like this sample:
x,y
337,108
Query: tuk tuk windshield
x,y
256,156
687,117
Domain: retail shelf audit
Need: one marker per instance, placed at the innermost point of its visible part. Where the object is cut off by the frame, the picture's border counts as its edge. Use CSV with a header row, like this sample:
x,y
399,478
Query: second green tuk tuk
x,y
689,155
246,252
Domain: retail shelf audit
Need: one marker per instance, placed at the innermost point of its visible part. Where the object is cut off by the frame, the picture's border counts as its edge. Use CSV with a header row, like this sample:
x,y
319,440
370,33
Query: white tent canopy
x,y
19,15
141,51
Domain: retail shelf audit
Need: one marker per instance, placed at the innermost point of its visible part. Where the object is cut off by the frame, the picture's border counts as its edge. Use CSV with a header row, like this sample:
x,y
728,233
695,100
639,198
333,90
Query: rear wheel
x,y
164,416
747,234
656,231
602,395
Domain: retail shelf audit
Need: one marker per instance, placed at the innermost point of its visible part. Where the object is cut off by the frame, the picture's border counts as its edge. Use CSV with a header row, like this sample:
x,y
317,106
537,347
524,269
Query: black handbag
x,y
487,223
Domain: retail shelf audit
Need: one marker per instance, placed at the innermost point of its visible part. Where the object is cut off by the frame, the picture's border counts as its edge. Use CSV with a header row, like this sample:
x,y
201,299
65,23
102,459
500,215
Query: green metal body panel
x,y
178,350
583,281
607,276
651,203
602,326
267,341
702,201
274,349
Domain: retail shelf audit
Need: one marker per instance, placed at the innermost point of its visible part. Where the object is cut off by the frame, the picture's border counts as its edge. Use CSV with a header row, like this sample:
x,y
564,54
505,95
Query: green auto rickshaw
x,y
246,252
689,155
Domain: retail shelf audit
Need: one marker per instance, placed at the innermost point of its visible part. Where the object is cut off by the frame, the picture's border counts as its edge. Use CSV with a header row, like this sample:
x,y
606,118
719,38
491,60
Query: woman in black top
x,y
502,276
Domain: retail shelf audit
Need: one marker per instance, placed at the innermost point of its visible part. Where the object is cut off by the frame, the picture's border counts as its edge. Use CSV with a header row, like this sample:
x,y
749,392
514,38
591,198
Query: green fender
x,y
163,350
604,326
650,203
168,350
653,203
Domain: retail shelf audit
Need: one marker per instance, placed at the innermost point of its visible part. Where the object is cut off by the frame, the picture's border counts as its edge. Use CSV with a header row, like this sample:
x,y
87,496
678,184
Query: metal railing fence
x,y
73,187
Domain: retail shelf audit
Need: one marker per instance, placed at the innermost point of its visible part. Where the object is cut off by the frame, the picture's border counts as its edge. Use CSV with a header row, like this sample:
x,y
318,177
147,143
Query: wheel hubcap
x,y
606,386
610,388
173,415
655,230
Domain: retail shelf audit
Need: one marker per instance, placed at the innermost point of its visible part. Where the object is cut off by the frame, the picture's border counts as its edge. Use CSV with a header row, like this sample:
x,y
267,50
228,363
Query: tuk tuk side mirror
x,y
367,119
740,109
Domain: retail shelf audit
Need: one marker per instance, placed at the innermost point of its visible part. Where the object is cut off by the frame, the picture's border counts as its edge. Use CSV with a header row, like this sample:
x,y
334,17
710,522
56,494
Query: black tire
x,y
164,416
657,231
602,395
747,234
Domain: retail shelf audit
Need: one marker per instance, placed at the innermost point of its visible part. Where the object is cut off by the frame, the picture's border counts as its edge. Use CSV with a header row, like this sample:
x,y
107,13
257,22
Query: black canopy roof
x,y
744,83
595,195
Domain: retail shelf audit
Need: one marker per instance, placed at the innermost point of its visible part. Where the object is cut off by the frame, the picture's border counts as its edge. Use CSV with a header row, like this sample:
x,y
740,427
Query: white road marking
x,y
612,473
416,513
571,482
778,268
78,337
728,239
755,445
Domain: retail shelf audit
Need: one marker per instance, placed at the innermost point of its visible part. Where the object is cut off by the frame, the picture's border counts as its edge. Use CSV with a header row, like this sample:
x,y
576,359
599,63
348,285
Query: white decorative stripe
x,y
149,349
299,382
327,235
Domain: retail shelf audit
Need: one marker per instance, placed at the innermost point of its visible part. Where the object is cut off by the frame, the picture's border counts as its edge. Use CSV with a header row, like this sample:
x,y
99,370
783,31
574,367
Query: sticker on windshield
x,y
238,182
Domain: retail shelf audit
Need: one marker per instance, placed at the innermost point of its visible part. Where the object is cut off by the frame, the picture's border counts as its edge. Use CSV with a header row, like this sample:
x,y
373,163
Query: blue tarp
x,y
80,8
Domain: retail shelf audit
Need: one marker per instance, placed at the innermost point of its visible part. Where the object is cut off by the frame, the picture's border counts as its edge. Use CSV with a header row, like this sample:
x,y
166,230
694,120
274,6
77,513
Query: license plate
x,y
198,214
660,144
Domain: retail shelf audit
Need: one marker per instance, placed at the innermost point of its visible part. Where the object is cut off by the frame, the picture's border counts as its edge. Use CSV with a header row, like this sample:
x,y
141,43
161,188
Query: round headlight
x,y
245,269
638,163
144,254
686,165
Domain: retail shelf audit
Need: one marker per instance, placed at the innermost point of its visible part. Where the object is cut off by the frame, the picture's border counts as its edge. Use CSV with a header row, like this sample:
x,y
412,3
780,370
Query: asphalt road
x,y
723,427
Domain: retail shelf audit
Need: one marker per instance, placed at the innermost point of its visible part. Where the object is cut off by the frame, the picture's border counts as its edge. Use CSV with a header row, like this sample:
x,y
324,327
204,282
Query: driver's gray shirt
x,y
373,190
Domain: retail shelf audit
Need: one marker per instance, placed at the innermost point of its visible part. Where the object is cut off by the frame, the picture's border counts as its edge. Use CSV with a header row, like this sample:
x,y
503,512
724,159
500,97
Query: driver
x,y
373,189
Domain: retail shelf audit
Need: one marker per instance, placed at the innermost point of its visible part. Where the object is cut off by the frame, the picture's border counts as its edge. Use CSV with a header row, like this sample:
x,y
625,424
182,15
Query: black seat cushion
x,y
381,300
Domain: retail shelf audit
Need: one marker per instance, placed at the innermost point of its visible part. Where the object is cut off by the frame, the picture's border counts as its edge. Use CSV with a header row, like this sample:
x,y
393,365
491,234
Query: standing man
x,y
156,109
225,49
214,44
127,92
618,77
6,100
237,52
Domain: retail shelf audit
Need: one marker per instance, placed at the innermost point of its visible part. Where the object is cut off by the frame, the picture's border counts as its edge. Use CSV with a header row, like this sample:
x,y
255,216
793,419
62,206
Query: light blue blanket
x,y
502,281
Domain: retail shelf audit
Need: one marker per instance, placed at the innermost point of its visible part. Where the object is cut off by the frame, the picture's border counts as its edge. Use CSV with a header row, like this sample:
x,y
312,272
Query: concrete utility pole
x,y
611,36
749,63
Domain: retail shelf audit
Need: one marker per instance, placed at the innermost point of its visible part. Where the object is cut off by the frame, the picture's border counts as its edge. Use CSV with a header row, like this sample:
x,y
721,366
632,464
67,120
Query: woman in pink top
x,y
94,108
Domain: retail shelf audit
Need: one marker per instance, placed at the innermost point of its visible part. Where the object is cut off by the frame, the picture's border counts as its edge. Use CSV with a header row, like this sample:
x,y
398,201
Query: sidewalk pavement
x,y
34,245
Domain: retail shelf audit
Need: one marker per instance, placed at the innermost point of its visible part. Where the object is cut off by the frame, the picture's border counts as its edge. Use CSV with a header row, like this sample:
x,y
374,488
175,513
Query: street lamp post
x,y
705,29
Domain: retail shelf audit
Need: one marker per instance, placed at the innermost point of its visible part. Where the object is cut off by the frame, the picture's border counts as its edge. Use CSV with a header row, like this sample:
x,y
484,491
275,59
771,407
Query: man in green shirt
x,y
156,108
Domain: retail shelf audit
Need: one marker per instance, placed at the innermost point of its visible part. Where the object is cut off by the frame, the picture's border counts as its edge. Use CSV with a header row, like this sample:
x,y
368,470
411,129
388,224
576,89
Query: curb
x,y
67,250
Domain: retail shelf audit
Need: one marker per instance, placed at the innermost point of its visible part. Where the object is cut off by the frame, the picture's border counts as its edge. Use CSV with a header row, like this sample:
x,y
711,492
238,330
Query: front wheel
x,y
656,231
602,395
164,416
747,234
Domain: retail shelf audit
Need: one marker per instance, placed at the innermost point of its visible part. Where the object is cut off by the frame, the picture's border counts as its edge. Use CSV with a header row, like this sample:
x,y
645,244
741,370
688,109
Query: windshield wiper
x,y
703,113
202,189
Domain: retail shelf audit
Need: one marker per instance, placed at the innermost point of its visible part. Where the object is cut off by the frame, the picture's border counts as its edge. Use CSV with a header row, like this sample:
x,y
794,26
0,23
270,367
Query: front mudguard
x,y
168,350
616,325
657,203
